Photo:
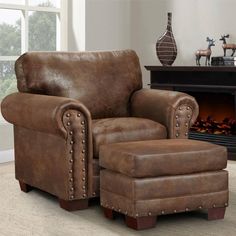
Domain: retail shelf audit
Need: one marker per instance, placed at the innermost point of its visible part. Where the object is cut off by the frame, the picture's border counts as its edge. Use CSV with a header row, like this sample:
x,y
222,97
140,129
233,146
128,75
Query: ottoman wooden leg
x,y
25,187
108,213
216,213
139,223
74,205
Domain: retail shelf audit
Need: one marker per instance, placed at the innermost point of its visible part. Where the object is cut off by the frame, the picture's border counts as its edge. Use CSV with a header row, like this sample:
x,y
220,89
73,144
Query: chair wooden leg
x,y
216,213
108,213
25,187
74,205
139,223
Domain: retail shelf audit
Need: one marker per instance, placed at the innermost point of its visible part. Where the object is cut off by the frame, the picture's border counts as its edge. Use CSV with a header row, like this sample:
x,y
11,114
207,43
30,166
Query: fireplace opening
x,y
216,113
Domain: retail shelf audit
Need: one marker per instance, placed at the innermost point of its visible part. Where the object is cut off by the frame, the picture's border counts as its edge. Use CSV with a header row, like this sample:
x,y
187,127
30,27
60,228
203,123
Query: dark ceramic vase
x,y
166,47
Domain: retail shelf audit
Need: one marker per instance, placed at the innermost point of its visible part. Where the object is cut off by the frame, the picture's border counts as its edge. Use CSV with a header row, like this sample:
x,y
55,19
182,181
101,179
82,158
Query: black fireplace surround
x,y
220,80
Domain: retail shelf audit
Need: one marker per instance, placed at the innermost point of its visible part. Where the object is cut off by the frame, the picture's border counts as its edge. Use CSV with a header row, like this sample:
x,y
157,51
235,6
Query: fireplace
x,y
215,91
216,114
216,121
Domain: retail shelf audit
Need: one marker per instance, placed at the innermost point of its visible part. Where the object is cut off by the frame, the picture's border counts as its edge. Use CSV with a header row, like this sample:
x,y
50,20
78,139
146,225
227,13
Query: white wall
x,y
76,25
107,24
193,21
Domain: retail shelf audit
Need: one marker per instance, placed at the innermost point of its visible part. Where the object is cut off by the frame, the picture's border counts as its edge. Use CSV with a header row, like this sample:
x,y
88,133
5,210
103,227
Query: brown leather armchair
x,y
69,104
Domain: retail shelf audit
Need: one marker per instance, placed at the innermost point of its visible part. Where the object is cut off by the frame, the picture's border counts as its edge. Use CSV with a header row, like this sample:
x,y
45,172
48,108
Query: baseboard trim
x,y
6,156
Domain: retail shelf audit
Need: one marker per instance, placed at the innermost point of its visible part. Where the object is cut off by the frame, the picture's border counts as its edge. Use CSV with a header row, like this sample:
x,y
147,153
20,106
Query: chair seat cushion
x,y
162,157
114,130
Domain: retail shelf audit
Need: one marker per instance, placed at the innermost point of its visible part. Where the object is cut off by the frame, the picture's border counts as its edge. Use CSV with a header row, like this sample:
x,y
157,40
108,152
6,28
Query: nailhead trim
x,y
125,212
178,121
69,117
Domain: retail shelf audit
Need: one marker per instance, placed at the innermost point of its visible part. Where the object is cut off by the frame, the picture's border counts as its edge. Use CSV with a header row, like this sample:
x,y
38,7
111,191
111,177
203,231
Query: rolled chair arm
x,y
40,112
177,111
65,118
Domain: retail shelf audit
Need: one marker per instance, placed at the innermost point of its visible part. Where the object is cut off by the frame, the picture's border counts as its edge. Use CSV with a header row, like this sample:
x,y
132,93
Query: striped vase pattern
x,y
166,47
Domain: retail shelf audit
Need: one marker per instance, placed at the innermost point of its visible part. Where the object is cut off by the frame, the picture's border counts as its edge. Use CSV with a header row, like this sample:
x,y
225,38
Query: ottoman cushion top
x,y
162,157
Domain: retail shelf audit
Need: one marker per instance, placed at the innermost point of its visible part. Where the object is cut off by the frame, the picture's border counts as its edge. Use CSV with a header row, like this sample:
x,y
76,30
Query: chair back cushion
x,y
103,81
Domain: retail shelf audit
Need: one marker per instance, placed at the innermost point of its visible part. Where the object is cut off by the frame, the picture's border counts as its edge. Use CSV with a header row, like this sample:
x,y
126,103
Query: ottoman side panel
x,y
181,185
117,183
118,203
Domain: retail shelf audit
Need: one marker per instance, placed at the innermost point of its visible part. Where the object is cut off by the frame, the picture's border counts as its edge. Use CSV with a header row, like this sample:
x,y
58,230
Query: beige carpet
x,y
37,213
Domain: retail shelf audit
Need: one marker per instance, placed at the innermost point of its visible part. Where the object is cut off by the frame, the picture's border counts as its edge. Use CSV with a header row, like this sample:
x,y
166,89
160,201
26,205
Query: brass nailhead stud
x,y
149,213
200,207
175,211
83,131
119,210
70,171
83,151
71,142
68,114
83,169
188,108
71,196
180,108
186,124
126,213
176,116
68,123
84,195
188,116
71,179
82,122
186,134
78,115
137,214
162,212
226,204
177,135
83,179
83,141
71,132
177,125
71,151
186,209
112,208
83,160
71,160
71,189
83,187
214,206
94,194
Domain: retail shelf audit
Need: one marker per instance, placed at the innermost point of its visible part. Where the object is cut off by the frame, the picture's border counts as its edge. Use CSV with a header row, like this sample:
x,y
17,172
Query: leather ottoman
x,y
149,178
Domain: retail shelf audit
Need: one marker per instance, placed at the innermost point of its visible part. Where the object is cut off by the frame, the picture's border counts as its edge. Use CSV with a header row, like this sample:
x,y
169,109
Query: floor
x,y
38,213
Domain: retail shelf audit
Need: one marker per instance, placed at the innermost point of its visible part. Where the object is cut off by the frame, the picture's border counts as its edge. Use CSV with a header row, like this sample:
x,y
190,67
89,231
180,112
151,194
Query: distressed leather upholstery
x,y
70,103
114,130
149,159
157,177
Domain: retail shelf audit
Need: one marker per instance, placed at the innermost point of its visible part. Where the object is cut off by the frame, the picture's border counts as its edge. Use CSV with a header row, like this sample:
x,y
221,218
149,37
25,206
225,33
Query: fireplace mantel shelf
x,y
194,78
196,86
192,68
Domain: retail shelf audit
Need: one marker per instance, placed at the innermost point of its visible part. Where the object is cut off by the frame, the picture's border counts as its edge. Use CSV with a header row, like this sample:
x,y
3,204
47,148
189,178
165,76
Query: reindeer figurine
x,y
226,46
205,53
